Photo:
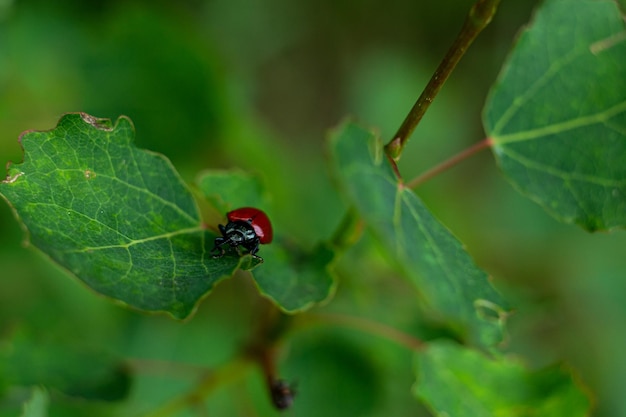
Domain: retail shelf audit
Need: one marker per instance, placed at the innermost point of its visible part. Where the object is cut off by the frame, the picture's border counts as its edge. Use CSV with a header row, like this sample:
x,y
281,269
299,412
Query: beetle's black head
x,y
239,233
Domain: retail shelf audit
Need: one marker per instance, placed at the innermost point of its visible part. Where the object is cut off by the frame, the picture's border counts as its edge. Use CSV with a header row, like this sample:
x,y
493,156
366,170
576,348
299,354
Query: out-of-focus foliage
x,y
220,83
37,406
456,381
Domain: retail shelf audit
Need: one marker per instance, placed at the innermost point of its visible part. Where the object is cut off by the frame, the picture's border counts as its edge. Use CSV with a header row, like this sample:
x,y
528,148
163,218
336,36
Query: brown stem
x,y
263,349
478,18
448,163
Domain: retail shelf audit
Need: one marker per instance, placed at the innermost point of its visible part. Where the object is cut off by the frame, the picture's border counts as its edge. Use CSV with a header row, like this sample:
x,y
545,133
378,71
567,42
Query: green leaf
x,y
228,190
37,405
294,279
75,371
119,218
455,381
557,114
450,284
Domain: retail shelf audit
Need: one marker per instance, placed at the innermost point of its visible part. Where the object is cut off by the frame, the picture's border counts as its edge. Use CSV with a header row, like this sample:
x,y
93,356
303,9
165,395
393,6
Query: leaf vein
x,y
432,244
156,197
565,175
602,117
133,242
552,71
35,204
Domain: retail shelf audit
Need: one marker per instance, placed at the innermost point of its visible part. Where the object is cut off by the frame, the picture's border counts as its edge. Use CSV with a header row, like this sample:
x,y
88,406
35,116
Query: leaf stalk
x,y
366,326
450,162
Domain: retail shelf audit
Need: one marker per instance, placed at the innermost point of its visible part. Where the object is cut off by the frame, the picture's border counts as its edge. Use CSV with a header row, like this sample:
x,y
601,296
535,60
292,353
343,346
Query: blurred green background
x,y
256,85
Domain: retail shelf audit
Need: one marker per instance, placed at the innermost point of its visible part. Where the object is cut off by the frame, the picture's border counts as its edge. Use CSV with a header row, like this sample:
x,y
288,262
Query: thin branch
x,y
367,326
478,18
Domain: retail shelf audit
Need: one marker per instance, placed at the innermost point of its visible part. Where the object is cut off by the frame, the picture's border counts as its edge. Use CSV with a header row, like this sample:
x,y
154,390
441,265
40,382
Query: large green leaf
x,y
296,280
557,114
117,217
450,284
457,382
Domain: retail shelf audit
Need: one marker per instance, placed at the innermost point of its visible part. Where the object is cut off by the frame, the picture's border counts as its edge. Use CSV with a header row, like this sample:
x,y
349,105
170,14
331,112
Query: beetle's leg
x,y
219,241
254,248
218,251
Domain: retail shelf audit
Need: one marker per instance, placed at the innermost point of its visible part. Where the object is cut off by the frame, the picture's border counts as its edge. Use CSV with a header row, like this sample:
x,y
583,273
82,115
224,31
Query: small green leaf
x,y
228,190
37,405
84,373
557,114
451,285
118,217
295,280
455,381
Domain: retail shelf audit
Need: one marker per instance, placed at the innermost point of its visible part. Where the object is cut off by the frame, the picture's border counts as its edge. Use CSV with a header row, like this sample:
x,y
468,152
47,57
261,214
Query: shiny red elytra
x,y
247,227
258,219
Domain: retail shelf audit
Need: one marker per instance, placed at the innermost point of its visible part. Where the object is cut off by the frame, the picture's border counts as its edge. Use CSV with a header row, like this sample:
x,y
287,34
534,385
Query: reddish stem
x,y
367,326
483,144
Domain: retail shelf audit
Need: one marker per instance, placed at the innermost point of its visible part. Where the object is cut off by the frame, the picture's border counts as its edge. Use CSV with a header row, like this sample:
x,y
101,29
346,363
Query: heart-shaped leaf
x,y
557,114
455,381
118,217
450,284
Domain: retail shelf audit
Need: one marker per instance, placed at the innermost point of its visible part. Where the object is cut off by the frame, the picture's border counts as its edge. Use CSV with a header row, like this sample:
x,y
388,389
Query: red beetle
x,y
247,227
